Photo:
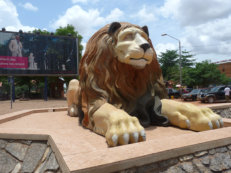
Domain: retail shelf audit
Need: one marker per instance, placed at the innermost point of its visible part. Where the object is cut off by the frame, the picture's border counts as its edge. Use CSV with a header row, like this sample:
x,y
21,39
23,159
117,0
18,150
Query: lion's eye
x,y
128,37
144,36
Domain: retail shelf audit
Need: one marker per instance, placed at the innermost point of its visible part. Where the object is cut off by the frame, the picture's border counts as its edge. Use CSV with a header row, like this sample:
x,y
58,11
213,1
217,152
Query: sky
x,y
202,26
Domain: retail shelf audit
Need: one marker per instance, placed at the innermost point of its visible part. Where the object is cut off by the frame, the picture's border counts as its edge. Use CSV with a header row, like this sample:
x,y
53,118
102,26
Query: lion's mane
x,y
105,79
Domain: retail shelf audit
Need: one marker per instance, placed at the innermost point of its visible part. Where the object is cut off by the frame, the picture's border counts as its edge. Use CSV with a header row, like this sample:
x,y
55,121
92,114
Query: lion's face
x,y
133,48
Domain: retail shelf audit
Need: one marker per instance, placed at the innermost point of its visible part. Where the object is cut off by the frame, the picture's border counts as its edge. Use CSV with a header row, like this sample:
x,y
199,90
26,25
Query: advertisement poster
x,y
35,54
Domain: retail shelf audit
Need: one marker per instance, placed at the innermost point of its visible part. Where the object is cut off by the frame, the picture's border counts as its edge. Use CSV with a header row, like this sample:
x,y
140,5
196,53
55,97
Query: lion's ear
x,y
113,27
145,28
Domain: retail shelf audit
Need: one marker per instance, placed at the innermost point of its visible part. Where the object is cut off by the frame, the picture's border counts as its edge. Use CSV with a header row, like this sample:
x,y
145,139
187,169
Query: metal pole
x,y
13,89
11,99
45,89
180,60
180,63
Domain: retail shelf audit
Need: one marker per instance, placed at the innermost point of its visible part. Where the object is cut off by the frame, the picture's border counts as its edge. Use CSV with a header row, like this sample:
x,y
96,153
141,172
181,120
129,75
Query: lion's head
x,y
119,65
132,46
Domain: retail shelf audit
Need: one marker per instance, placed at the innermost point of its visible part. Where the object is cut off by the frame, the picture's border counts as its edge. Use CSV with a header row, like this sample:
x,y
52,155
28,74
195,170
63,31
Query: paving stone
x,y
186,158
212,151
148,168
26,142
221,150
17,168
188,167
168,163
174,169
205,160
2,143
7,162
132,170
44,160
220,162
201,153
46,154
229,147
52,163
197,163
33,156
18,150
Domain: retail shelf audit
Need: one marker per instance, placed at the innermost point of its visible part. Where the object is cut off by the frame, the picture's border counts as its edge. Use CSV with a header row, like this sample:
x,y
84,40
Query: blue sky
x,y
202,26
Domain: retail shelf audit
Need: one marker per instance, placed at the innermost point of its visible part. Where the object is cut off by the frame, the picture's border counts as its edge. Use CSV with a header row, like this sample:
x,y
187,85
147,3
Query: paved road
x,y
5,106
33,104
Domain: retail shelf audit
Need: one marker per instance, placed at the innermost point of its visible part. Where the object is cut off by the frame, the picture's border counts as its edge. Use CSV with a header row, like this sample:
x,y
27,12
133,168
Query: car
x,y
215,94
191,95
173,93
202,93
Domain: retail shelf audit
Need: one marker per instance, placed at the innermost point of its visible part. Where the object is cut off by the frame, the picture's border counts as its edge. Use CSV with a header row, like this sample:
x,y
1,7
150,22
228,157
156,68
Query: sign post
x,y
10,80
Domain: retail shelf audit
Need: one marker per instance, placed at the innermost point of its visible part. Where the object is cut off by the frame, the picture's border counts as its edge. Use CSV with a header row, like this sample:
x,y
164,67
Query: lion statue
x,y
120,89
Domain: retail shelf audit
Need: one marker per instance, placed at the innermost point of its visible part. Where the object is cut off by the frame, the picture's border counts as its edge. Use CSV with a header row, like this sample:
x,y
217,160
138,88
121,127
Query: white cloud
x,y
9,17
145,15
205,25
29,6
115,15
163,47
86,22
194,12
76,1
83,1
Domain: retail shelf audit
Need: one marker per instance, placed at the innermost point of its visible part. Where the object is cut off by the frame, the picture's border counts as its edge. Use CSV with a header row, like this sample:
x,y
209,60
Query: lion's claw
x,y
115,140
221,122
188,124
126,138
142,135
134,137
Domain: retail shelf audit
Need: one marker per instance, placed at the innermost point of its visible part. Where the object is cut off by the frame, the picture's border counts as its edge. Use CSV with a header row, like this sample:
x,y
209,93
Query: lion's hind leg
x,y
73,93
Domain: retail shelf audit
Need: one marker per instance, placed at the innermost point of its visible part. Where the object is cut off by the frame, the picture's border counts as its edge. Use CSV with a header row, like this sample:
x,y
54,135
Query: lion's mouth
x,y
137,59
138,62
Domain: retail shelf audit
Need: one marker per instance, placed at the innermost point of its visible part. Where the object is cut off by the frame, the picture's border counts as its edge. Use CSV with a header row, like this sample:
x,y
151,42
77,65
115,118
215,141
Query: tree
x,y
208,73
168,63
69,30
204,74
187,59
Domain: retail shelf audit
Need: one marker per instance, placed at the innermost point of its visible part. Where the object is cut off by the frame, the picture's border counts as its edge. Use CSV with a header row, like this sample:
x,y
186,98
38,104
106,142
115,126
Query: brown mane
x,y
103,77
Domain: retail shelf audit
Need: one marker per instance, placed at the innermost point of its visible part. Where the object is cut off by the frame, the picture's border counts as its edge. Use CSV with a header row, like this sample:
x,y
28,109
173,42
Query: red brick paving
x,y
5,106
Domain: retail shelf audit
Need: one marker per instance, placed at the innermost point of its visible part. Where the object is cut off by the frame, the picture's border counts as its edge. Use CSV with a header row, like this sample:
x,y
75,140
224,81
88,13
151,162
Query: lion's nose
x,y
145,46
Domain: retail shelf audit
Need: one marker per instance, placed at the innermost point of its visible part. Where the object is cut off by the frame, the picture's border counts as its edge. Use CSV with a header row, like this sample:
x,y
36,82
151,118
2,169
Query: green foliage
x,y
208,73
187,59
43,32
69,30
168,63
193,74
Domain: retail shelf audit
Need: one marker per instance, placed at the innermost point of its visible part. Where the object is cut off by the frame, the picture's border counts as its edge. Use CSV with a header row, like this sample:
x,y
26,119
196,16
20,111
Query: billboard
x,y
35,54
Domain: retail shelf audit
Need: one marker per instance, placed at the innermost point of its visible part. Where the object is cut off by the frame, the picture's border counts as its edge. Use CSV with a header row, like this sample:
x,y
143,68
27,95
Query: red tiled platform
x,y
80,150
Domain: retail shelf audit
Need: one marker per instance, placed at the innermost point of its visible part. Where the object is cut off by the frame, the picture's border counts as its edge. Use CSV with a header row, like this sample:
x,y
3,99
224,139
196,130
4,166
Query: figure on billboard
x,y
15,46
32,63
63,67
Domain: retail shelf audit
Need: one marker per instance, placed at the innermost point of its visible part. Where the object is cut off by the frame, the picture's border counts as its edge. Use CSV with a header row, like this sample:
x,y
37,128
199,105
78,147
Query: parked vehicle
x,y
191,95
202,93
173,93
187,90
215,94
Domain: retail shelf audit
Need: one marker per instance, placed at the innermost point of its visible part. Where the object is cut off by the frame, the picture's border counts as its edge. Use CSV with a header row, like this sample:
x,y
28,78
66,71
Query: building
x,y
225,67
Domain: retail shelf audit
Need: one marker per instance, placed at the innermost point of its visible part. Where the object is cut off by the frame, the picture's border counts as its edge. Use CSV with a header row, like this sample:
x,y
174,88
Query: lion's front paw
x,y
72,111
125,130
192,117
